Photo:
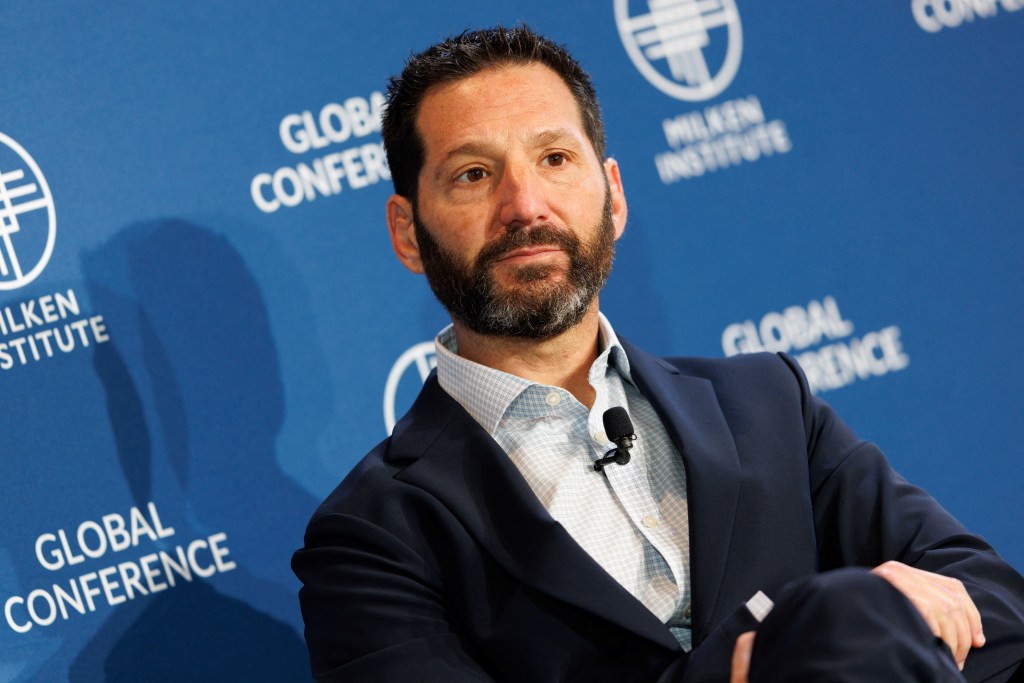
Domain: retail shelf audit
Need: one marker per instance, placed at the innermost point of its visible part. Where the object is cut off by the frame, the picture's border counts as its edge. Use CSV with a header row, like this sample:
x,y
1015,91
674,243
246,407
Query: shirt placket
x,y
633,489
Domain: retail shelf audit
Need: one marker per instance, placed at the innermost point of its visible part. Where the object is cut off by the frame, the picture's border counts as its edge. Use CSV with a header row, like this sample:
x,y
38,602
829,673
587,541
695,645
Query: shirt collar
x,y
486,393
617,357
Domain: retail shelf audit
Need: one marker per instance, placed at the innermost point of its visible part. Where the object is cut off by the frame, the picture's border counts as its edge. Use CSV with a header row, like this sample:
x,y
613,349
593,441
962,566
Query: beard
x,y
542,302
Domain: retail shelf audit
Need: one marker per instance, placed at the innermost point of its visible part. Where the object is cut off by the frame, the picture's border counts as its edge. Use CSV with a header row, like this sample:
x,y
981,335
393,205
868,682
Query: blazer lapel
x,y
457,462
689,409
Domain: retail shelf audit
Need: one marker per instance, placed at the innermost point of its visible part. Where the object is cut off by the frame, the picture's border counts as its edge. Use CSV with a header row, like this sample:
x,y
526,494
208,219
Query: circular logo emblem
x,y
28,222
688,49
423,358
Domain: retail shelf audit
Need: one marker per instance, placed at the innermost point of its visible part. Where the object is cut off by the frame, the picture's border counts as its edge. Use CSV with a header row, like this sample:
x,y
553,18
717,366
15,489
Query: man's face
x,y
516,217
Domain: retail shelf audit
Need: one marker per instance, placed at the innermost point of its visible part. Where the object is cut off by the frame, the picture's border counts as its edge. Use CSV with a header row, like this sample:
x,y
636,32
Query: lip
x,y
527,253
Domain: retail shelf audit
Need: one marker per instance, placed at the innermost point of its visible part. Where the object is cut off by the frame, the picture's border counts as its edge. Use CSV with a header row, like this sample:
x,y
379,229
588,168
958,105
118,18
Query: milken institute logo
x,y
675,44
28,222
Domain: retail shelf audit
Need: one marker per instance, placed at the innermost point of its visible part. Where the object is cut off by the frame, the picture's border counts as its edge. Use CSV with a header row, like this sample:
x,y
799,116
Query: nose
x,y
521,197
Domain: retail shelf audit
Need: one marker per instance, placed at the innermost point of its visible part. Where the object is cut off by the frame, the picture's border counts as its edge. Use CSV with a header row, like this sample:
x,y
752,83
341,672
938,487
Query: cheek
x,y
456,234
580,209
578,189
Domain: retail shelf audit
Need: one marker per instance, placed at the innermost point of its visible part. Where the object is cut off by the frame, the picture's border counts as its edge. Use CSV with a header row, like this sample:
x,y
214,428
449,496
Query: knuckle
x,y
949,605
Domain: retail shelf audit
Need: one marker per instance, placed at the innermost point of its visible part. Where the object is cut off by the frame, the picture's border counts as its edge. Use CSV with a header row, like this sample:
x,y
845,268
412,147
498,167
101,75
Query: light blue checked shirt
x,y
632,519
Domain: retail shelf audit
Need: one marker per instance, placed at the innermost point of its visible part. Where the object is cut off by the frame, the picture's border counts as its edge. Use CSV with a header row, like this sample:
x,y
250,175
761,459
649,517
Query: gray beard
x,y
536,309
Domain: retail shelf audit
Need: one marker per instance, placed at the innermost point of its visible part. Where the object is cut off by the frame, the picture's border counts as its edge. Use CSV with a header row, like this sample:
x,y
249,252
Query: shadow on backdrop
x,y
195,401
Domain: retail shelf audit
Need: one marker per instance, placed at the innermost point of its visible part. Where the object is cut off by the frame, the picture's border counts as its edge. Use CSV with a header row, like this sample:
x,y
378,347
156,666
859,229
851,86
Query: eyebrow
x,y
480,148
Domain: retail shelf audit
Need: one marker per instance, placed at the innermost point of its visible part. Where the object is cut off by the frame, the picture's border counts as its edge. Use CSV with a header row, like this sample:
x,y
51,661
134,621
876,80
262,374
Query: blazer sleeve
x,y
372,610
865,514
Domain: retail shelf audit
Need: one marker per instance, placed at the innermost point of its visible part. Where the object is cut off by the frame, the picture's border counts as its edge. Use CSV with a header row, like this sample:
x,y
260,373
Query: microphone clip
x,y
618,455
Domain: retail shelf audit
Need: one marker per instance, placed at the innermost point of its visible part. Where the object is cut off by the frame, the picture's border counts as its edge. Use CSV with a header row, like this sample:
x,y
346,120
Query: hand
x,y
943,602
741,657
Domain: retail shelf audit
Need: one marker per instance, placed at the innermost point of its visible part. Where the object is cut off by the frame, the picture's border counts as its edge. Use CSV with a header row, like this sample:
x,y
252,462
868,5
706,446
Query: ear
x,y
403,232
619,211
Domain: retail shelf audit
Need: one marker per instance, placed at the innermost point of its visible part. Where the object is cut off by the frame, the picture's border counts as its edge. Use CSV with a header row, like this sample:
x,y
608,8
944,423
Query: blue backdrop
x,y
202,325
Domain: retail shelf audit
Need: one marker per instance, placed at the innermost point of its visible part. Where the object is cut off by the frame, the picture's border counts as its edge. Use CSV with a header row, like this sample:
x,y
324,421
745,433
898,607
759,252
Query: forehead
x,y
496,103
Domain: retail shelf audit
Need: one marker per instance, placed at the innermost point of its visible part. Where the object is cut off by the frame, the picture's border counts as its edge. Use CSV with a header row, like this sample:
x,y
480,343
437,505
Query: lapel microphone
x,y
619,429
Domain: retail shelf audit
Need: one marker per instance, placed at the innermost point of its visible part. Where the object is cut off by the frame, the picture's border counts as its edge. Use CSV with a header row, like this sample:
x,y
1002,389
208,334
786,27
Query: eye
x,y
555,159
472,175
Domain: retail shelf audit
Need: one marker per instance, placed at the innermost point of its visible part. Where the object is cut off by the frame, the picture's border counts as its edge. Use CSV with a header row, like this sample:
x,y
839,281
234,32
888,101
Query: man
x,y
480,543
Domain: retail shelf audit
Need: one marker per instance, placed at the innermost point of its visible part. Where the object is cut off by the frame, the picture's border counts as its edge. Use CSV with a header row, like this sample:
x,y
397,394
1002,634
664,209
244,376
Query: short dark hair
x,y
462,56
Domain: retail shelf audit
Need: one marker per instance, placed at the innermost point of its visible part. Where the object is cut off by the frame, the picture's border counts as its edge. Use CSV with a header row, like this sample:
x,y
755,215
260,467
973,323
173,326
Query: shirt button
x,y
650,521
553,399
601,437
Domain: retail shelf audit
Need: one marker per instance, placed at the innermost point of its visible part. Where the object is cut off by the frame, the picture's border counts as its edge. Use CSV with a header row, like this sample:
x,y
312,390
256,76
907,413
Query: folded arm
x,y
372,610
867,515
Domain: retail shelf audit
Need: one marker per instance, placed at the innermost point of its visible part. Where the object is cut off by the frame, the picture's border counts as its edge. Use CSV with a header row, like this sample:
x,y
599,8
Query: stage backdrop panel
x,y
203,328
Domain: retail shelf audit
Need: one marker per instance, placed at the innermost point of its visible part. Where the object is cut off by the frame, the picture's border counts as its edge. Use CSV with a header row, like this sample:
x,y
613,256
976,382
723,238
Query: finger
x,y
962,629
957,636
945,630
954,629
974,620
937,620
741,658
961,608
948,619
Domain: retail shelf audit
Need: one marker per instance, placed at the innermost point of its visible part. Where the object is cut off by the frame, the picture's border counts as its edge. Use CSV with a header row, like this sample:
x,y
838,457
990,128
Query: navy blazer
x,y
434,561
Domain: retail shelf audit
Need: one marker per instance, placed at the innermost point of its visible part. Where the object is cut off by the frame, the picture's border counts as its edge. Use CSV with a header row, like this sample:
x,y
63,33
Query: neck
x,y
561,361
